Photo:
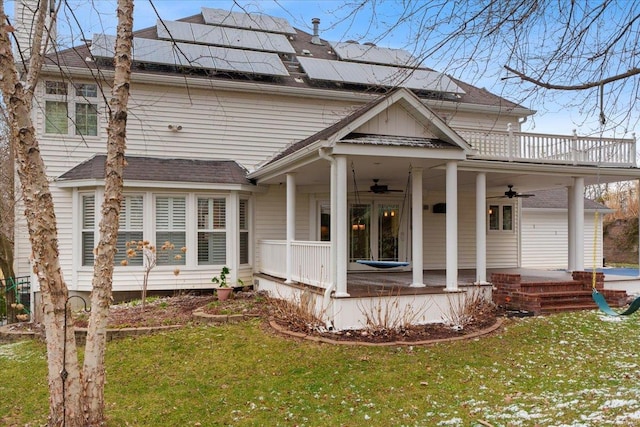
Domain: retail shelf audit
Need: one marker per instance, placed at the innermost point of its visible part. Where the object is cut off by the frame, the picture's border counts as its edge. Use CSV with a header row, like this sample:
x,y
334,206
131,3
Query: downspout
x,y
332,285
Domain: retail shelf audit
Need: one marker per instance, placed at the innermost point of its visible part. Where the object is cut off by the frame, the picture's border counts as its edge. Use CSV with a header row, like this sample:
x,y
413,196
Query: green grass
x,y
577,369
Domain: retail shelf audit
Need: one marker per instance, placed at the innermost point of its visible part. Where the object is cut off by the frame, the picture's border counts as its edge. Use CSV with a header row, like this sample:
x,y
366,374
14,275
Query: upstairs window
x,y
74,111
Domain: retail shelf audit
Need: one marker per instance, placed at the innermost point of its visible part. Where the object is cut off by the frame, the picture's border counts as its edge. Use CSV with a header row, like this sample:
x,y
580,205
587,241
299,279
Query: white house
x,y
292,160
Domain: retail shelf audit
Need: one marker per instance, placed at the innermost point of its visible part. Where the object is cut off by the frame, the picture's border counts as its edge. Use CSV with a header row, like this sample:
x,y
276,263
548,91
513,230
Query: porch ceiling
x,y
393,172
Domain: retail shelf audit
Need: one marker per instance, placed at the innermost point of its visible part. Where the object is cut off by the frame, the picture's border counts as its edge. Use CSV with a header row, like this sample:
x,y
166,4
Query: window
x,y
244,231
77,110
212,236
88,228
130,229
501,217
170,227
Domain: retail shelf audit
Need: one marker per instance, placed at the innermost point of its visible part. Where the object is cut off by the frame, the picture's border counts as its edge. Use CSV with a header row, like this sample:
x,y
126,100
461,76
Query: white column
x,y
291,223
578,188
481,228
333,227
452,226
233,225
342,254
416,221
571,231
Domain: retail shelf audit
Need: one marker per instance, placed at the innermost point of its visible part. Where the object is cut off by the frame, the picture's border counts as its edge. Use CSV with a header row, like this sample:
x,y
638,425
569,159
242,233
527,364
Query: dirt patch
x,y
178,310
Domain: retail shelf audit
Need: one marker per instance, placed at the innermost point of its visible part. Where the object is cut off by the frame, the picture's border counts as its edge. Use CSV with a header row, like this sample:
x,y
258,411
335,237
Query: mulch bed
x,y
178,310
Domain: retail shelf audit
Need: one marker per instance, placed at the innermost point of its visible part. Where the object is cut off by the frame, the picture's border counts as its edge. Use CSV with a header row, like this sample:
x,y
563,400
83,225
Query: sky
x,y
555,114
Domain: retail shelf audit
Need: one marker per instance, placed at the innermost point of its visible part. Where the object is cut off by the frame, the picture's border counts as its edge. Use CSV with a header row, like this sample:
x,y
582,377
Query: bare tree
x,y
584,52
75,398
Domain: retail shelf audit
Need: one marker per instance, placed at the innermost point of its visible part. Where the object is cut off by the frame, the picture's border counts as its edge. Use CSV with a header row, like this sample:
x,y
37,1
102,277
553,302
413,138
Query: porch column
x,y
333,222
416,220
578,203
481,228
342,255
571,230
452,226
291,224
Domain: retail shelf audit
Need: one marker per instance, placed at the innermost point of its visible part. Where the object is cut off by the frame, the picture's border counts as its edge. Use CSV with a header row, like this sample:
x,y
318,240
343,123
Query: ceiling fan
x,y
510,194
381,189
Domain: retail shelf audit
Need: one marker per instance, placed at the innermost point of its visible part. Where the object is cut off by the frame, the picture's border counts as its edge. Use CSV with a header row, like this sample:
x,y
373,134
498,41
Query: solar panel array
x,y
377,75
223,36
373,54
194,56
249,21
252,44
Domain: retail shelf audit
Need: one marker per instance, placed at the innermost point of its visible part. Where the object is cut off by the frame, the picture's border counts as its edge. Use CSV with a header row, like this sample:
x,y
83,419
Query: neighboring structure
x,y
289,158
545,231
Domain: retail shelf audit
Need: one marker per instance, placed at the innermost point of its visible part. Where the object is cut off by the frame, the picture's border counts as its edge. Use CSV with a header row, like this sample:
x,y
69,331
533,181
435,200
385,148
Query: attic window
x,y
306,52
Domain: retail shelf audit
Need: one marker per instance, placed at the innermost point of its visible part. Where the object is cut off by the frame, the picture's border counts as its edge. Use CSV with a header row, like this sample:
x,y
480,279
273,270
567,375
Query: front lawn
x,y
577,369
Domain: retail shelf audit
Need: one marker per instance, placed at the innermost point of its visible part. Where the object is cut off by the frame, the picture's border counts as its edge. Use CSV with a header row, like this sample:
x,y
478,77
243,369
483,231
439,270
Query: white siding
x,y
545,239
502,246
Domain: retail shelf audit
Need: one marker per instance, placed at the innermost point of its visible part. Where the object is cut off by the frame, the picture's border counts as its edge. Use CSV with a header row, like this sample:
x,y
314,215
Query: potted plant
x,y
224,287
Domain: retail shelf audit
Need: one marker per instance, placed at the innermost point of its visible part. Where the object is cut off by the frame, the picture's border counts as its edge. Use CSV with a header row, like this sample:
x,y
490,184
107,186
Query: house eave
x,y
472,165
253,87
170,185
304,156
414,152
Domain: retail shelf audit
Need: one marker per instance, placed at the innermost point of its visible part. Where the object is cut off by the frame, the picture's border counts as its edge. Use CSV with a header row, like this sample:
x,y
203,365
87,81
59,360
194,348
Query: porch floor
x,y
382,283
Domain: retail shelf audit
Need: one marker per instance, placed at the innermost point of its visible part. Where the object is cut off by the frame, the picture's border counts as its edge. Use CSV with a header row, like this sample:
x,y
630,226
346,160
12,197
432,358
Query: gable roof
x,y
556,198
166,170
341,131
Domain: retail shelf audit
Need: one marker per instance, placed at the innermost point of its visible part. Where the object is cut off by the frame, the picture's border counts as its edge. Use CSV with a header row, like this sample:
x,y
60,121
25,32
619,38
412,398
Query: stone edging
x,y
200,315
281,330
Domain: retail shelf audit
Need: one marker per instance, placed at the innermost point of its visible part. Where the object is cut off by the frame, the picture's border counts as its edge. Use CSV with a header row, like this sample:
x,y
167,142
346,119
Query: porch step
x,y
551,297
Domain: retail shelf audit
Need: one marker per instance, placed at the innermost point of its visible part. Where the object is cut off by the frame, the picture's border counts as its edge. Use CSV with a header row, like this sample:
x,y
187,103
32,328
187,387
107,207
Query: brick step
x,y
548,309
552,287
579,293
559,301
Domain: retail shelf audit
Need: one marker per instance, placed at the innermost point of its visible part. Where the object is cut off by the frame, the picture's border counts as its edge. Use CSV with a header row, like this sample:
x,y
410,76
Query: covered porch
x,y
448,234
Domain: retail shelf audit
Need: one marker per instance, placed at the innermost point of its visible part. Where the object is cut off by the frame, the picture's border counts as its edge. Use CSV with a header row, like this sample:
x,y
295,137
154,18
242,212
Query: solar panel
x,y
222,36
377,75
373,54
194,56
249,21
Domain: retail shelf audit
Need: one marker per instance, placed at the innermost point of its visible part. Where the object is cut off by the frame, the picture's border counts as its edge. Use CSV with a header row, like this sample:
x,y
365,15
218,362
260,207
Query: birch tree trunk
x,y
93,371
64,390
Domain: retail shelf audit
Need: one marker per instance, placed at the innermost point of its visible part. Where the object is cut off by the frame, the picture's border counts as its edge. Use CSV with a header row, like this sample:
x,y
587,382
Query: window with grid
x,y
212,235
170,228
501,217
88,228
79,107
244,231
130,228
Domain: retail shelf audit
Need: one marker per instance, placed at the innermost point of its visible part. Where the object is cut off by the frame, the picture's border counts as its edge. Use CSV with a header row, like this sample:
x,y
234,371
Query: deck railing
x,y
310,261
560,149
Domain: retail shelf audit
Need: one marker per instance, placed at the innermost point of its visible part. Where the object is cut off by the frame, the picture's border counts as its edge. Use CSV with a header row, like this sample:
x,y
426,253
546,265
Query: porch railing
x,y
561,149
310,261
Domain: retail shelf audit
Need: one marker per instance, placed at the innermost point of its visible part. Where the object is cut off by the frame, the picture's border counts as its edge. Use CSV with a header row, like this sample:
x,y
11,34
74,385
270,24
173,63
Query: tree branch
x,y
584,86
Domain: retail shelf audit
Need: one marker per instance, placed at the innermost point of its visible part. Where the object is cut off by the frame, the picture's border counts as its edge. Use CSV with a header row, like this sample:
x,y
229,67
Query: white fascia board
x,y
386,151
505,166
169,185
304,156
561,210
229,85
479,108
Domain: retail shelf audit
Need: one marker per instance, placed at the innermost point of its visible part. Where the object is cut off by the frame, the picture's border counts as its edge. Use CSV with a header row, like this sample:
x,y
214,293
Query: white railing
x,y
561,149
310,261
